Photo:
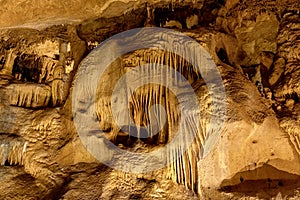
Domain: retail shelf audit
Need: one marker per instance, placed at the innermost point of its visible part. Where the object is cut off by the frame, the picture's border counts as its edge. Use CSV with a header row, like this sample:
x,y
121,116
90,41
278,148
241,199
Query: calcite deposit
x,y
47,46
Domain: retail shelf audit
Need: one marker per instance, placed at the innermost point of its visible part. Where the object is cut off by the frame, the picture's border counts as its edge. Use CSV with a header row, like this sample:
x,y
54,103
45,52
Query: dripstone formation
x,y
255,45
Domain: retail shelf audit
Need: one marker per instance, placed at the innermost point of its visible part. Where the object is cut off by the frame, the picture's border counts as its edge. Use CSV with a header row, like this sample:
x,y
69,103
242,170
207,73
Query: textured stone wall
x,y
255,45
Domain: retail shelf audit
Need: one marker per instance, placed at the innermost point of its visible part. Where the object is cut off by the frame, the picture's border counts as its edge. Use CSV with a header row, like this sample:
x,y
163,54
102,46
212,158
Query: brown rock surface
x,y
255,45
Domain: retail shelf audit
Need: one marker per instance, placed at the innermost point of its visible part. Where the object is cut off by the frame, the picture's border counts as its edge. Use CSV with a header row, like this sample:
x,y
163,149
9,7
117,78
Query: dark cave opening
x,y
162,15
222,55
8,164
26,68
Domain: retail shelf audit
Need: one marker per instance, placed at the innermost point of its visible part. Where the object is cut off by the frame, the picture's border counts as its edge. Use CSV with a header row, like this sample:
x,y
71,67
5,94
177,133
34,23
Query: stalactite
x,y
29,95
292,127
12,151
47,70
184,169
58,86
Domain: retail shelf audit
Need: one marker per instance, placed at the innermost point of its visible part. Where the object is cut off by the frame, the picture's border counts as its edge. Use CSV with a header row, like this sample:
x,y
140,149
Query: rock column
x,y
8,66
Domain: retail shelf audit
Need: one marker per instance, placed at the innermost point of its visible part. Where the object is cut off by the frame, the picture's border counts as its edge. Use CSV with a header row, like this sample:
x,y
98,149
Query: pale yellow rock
x,y
33,13
48,48
290,103
192,21
173,24
246,147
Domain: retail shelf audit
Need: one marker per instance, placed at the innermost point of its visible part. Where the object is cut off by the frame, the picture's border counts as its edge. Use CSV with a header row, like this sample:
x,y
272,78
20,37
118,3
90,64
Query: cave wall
x,y
255,45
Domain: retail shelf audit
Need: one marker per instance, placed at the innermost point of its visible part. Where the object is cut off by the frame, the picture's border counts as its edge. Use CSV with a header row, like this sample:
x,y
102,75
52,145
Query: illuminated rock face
x,y
255,45
29,95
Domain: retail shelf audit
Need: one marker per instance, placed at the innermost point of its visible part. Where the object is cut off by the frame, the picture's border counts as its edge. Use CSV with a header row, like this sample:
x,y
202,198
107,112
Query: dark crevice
x,y
222,55
263,180
27,68
180,14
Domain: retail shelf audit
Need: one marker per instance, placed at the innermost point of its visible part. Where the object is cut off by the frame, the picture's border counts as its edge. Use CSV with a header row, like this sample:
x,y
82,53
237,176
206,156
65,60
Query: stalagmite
x,y
63,50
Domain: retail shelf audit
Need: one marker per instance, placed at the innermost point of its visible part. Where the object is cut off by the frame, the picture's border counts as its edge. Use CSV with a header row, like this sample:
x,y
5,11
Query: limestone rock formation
x,y
29,95
45,45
